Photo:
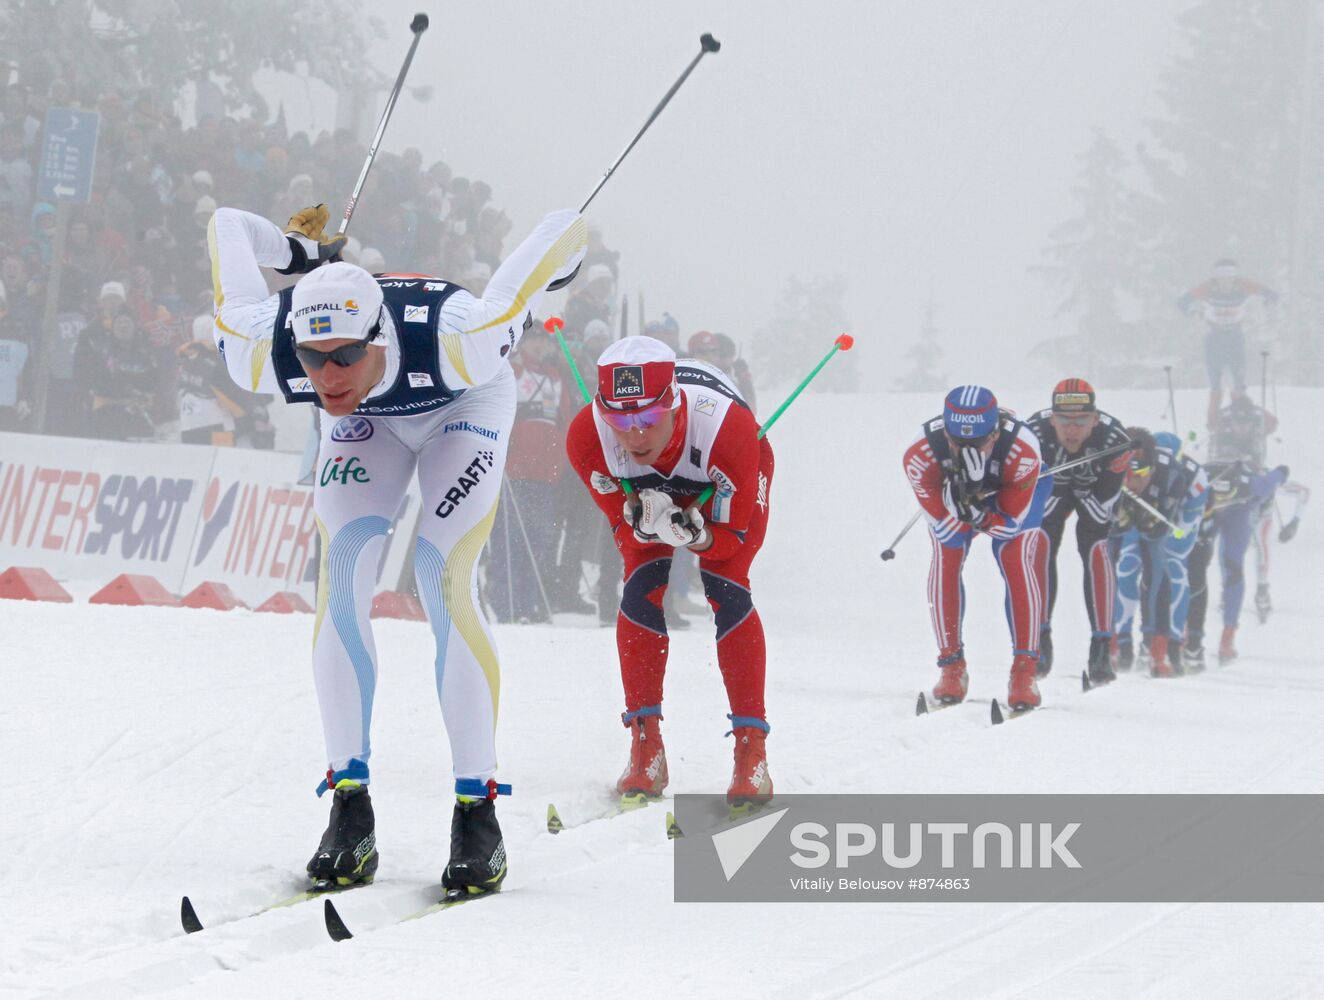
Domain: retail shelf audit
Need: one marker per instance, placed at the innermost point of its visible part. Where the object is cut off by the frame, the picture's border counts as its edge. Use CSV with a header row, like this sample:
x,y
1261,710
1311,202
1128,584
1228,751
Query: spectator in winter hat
x,y
665,329
203,209
719,350
202,182
113,290
703,345
112,301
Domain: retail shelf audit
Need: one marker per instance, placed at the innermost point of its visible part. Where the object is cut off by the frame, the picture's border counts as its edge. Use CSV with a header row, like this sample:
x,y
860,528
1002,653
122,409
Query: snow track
x,y
159,752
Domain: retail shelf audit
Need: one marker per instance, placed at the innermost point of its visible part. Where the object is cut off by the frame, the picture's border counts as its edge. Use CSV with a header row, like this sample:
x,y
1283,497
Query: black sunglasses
x,y
344,356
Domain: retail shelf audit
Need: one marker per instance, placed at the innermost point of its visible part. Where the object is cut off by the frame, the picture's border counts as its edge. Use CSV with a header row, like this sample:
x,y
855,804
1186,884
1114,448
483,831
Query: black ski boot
x,y
1045,653
348,851
1100,662
1192,657
1126,655
478,854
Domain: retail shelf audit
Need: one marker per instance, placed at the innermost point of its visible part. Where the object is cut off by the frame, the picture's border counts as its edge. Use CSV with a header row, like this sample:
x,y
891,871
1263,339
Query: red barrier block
x,y
394,604
28,583
285,602
212,595
133,589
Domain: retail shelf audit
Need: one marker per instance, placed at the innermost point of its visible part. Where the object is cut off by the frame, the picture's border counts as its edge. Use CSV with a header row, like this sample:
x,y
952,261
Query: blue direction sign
x,y
67,154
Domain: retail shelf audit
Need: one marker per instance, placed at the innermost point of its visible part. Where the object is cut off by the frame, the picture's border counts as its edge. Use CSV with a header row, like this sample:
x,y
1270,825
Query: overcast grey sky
x,y
916,146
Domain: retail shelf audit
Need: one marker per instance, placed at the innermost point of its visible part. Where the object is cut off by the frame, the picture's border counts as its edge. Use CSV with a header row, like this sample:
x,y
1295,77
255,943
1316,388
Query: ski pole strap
x,y
741,721
639,713
476,788
355,770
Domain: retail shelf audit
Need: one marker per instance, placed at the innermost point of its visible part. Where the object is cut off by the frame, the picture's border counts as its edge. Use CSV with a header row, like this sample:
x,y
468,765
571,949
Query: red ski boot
x,y
1158,651
1023,692
951,687
645,776
751,783
1227,646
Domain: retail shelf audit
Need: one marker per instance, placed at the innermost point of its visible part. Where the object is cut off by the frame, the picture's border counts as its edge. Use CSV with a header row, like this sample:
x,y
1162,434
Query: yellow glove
x,y
308,222
309,247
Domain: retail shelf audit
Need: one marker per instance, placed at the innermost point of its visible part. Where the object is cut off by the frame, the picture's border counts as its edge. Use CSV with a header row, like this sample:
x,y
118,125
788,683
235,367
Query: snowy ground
x,y
158,752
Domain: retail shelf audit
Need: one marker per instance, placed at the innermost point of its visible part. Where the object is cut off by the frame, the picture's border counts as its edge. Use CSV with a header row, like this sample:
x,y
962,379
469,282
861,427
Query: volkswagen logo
x,y
352,429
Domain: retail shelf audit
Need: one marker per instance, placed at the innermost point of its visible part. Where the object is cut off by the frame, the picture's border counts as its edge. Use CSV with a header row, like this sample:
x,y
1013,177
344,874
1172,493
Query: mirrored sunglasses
x,y
344,356
645,419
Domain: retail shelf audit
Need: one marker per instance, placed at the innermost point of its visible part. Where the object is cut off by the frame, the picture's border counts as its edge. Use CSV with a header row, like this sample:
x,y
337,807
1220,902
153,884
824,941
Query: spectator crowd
x,y
132,356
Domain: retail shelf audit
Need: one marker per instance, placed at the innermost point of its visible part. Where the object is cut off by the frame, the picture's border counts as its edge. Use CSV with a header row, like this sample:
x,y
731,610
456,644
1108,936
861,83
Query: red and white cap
x,y
635,373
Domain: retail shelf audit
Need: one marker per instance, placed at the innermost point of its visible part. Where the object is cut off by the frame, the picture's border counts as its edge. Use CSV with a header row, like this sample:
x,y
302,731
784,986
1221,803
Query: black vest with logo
x,y
1170,484
415,305
992,481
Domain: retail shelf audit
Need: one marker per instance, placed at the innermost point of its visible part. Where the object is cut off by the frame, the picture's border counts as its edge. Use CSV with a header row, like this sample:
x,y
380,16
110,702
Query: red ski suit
x,y
1015,509
732,458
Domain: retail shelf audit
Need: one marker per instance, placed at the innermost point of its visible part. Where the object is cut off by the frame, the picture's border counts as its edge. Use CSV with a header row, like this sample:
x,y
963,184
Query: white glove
x,y
656,518
633,511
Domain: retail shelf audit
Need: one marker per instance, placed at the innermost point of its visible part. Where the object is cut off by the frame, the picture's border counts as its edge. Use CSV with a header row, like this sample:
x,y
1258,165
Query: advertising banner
x,y
95,509
184,514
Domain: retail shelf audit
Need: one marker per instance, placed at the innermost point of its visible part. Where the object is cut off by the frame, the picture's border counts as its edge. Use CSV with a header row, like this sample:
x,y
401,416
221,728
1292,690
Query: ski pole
x,y
418,25
843,343
707,43
554,325
1172,400
1177,532
890,552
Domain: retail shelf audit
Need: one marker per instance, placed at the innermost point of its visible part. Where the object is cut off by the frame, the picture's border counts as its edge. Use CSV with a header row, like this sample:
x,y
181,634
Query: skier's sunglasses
x,y
646,419
1080,420
344,356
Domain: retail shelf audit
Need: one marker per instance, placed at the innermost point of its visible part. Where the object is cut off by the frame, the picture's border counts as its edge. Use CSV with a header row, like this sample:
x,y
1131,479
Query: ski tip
x,y
922,705
1085,684
554,824
995,713
188,917
673,830
334,925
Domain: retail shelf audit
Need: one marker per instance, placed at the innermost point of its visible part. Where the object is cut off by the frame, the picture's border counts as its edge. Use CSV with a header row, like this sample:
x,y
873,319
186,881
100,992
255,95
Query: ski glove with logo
x,y
656,518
